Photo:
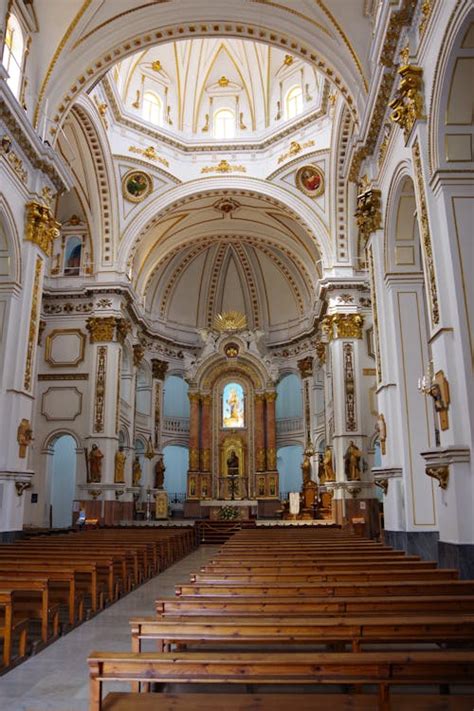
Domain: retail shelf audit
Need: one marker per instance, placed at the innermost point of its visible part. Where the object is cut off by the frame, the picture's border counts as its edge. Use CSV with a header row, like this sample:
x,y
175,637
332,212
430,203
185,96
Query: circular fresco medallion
x,y
136,185
310,180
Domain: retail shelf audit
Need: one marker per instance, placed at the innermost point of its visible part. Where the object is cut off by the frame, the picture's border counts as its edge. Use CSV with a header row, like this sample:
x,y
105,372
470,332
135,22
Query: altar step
x,y
220,531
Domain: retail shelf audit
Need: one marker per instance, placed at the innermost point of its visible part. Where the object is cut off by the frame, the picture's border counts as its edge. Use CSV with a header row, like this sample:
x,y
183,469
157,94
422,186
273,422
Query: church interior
x,y
236,349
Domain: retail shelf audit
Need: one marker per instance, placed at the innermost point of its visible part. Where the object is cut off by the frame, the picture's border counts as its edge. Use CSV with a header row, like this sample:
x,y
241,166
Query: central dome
x,y
217,89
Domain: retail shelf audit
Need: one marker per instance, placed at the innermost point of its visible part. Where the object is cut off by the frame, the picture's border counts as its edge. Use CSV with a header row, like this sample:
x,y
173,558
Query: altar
x,y
220,510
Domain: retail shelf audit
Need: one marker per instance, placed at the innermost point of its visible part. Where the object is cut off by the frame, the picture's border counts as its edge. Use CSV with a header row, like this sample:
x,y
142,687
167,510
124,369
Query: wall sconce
x,y
438,387
441,474
119,493
94,493
20,486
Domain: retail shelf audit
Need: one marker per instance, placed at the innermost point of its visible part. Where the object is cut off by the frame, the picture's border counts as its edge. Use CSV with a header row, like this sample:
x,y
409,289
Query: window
x,y
224,124
294,102
152,108
13,54
72,258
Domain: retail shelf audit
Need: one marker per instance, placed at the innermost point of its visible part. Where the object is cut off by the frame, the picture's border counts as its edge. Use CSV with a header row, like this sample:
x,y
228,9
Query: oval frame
x,y
301,186
144,194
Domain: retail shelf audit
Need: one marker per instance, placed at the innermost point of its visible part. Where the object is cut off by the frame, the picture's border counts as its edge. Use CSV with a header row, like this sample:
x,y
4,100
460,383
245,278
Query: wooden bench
x,y
315,606
381,669
10,626
218,579
353,630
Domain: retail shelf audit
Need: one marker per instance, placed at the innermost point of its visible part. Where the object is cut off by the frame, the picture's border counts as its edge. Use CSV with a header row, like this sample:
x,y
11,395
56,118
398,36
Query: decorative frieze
x,y
33,328
40,226
99,397
101,329
349,387
428,259
340,325
305,366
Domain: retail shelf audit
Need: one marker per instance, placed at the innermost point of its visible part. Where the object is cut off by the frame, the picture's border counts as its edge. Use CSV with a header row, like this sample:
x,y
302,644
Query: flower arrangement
x,y
229,513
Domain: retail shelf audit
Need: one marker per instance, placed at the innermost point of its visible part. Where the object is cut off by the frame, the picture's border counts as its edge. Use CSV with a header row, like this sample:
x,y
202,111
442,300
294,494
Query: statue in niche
x,y
233,464
233,405
136,471
95,464
159,474
119,472
329,473
352,459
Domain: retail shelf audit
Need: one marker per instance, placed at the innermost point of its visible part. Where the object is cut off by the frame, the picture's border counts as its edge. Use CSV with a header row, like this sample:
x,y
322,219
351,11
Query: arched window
x,y
224,124
294,102
13,54
152,108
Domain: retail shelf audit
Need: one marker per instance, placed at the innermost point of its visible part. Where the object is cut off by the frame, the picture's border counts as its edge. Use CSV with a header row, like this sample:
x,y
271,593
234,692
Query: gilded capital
x,y
320,349
123,329
40,226
101,329
368,213
270,396
138,354
194,397
206,399
159,368
343,326
407,106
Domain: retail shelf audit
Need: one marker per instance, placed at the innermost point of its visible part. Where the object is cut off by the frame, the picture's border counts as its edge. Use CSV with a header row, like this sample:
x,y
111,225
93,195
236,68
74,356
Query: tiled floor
x,y
57,677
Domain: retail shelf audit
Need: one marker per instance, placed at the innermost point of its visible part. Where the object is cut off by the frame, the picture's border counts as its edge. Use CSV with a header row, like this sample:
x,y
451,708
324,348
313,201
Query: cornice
x,y
40,155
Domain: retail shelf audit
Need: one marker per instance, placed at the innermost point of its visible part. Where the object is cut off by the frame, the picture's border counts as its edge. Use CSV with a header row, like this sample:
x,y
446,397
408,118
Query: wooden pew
x,y
380,669
288,631
218,579
242,605
9,626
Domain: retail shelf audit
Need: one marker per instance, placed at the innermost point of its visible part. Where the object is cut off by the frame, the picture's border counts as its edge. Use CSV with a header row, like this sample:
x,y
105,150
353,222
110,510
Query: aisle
x,y
57,677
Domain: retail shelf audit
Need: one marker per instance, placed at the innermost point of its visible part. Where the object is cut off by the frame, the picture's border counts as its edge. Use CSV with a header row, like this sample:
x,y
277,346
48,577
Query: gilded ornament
x,y
271,458
378,359
159,368
441,474
368,213
349,388
138,354
305,366
294,149
101,329
24,437
230,321
149,153
310,180
407,106
32,330
123,328
320,349
100,380
340,325
261,459
426,9
223,81
136,185
224,167
194,459
41,227
426,236
21,486
205,460
383,484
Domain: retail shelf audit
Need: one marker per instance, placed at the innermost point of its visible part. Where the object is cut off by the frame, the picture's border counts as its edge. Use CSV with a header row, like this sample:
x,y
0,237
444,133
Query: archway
x,y
289,460
63,480
176,459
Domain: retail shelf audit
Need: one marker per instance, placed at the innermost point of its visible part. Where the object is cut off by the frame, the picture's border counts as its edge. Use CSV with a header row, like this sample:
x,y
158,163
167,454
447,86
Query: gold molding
x,y
44,377
407,106
101,329
341,325
49,346
99,399
368,213
33,327
224,167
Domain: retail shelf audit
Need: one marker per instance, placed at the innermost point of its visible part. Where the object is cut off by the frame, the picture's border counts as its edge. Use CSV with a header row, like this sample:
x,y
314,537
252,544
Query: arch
x,y
175,396
297,205
289,402
67,75
450,117
51,438
10,250
63,468
13,54
293,102
402,247
289,458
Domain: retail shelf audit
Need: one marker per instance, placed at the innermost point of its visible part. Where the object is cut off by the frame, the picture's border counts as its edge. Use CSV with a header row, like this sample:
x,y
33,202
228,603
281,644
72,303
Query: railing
x,y
176,425
289,425
177,498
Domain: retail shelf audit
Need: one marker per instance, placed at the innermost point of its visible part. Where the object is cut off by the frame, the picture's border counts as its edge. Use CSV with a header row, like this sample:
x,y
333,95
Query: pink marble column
x,y
270,398
194,432
260,454
206,402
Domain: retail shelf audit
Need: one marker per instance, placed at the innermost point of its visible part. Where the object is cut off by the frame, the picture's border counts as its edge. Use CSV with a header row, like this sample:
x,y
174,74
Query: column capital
x,y
320,349
101,329
159,368
194,397
40,226
138,354
123,327
206,399
343,325
270,396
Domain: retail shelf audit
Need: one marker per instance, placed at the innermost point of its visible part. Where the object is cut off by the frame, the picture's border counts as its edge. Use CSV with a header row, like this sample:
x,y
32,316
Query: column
x,y
260,453
272,474
205,487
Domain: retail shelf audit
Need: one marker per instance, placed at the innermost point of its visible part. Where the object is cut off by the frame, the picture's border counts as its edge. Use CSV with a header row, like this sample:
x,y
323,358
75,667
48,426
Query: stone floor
x,y
57,677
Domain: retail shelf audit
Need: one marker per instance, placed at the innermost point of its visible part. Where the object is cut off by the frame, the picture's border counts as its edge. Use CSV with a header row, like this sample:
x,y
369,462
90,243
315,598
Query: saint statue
x,y
159,474
119,473
352,462
233,464
136,471
329,473
95,464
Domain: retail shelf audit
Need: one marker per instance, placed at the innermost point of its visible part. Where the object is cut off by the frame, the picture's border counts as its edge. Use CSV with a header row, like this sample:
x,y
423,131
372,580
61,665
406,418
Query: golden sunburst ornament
x,y
230,321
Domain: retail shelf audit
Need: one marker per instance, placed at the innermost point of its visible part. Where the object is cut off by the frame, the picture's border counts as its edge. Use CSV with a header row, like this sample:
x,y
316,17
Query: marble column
x,y
270,398
194,427
206,405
